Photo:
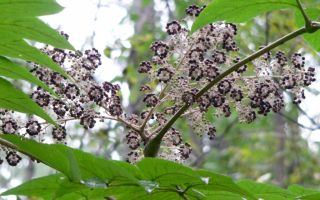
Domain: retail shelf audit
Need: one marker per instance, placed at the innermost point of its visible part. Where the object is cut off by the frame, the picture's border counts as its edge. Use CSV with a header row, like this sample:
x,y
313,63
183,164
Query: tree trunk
x,y
280,171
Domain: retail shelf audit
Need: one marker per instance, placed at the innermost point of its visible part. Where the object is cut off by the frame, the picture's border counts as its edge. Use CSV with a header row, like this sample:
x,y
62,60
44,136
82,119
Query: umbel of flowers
x,y
181,65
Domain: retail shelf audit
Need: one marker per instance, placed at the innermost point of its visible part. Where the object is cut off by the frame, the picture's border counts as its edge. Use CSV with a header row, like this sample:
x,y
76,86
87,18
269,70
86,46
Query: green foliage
x,y
238,11
28,8
85,176
18,22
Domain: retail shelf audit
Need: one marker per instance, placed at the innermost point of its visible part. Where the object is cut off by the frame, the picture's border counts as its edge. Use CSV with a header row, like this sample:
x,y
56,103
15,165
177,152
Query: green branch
x,y
305,16
152,148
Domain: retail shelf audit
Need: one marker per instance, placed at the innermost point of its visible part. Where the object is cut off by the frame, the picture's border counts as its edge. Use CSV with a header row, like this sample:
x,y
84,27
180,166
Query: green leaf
x,y
107,52
22,50
74,167
40,187
150,178
238,11
163,171
166,174
311,38
217,182
89,177
13,99
299,190
265,191
75,164
33,29
68,187
28,8
310,197
53,187
218,195
17,72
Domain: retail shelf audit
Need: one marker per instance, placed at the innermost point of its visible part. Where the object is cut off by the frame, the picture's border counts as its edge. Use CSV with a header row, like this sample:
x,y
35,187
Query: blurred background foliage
x,y
273,149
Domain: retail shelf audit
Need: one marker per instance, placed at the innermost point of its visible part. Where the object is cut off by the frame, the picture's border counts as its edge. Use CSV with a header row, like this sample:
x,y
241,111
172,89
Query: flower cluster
x,y
183,64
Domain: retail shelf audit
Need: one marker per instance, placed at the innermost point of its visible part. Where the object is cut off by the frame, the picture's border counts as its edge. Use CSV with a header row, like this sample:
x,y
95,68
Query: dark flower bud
x,y
173,27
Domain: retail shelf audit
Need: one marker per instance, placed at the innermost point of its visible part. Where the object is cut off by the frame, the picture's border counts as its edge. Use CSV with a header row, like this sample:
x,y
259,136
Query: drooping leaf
x,y
153,178
55,187
89,177
315,196
14,99
71,162
300,191
162,171
22,50
238,11
312,38
34,29
28,8
218,195
17,72
41,187
217,182
265,191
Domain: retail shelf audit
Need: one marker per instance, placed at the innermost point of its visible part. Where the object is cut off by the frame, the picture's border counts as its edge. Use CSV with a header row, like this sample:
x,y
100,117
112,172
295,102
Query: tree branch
x,y
305,16
299,124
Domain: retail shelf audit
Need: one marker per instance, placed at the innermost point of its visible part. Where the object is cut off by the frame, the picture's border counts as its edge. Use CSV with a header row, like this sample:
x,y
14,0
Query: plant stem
x,y
305,16
161,96
152,148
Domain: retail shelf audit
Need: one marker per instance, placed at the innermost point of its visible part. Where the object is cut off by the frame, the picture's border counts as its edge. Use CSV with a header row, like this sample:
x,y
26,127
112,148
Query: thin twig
x,y
305,114
161,96
298,123
135,128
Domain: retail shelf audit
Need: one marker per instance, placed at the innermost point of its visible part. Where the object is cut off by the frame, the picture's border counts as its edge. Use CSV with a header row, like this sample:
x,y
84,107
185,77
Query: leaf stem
x,y
152,147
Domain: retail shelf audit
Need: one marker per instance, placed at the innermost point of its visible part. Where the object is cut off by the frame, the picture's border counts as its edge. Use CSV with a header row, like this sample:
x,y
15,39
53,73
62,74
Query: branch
x,y
297,123
117,119
311,119
133,127
161,96
305,16
152,148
